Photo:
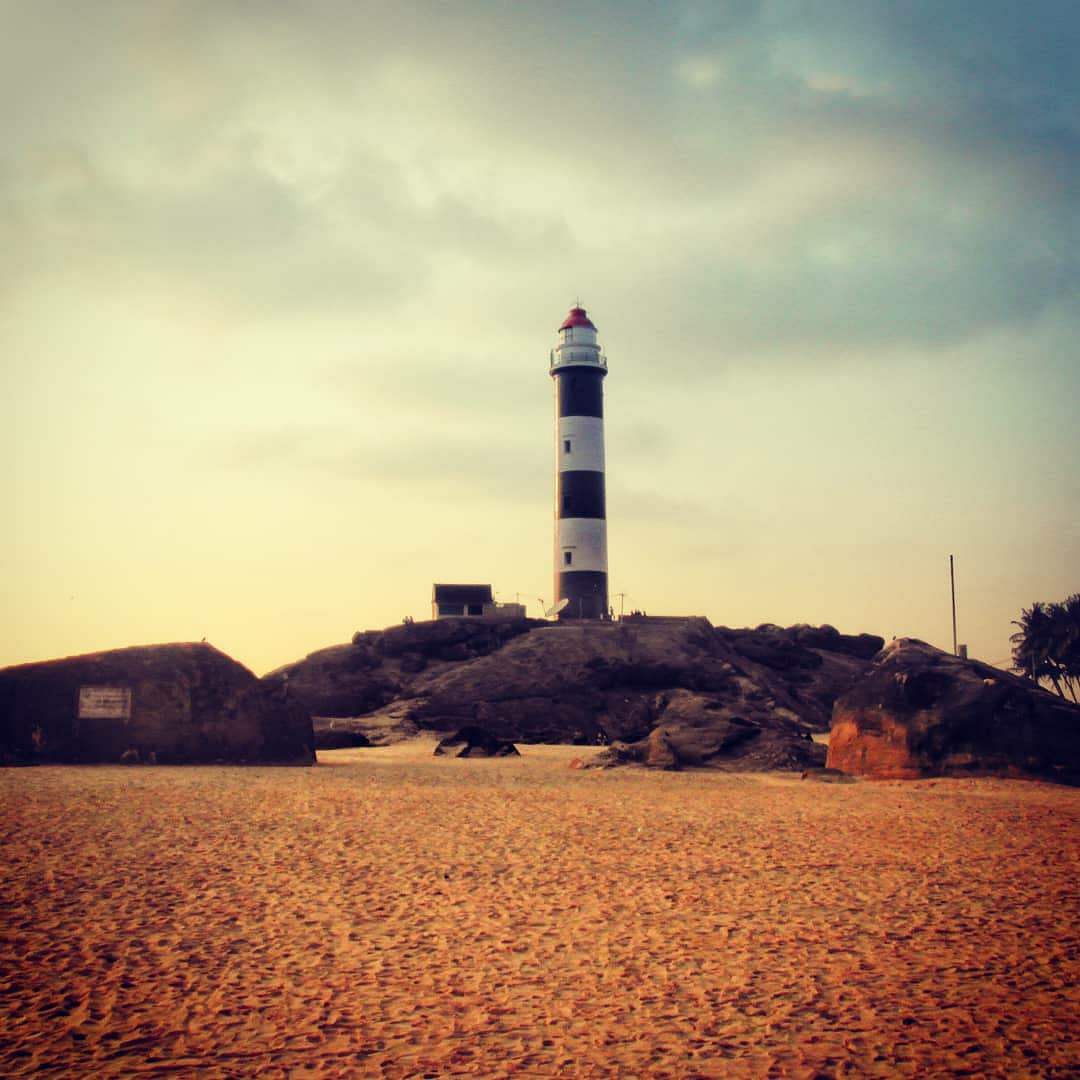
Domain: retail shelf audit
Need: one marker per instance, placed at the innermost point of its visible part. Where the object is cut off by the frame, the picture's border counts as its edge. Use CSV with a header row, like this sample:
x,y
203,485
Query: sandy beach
x,y
392,914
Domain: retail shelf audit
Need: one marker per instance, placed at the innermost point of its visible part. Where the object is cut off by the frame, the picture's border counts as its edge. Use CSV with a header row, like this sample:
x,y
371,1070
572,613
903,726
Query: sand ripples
x,y
395,915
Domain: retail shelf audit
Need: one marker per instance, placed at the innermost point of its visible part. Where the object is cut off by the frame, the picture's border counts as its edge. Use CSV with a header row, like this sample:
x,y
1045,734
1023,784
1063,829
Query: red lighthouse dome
x,y
577,317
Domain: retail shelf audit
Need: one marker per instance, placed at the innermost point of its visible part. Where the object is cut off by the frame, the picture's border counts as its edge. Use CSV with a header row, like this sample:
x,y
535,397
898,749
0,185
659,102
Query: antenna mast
x,y
952,587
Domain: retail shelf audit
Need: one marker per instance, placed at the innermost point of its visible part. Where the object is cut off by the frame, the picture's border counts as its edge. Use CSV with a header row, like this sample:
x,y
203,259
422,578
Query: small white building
x,y
459,601
470,602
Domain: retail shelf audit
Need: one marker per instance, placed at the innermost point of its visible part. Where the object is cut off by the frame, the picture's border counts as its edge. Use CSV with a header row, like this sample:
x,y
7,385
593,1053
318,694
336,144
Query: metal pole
x,y
952,586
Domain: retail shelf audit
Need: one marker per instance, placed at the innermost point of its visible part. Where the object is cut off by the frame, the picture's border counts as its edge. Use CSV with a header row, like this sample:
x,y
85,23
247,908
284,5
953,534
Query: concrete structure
x,y
457,601
578,367
504,611
471,602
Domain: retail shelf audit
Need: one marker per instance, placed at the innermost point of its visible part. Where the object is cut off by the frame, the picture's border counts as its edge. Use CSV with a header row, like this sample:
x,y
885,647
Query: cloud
x,y
437,465
772,180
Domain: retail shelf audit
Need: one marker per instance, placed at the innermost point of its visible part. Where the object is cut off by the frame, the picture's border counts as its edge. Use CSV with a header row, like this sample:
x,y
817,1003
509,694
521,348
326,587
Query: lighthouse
x,y
578,367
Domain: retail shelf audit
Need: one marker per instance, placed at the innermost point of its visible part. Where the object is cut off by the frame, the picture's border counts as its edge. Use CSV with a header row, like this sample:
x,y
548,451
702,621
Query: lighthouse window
x,y
568,557
566,446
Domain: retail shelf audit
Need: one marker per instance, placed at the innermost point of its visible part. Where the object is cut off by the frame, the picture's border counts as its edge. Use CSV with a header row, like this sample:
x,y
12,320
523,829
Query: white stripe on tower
x,y
578,368
581,443
587,539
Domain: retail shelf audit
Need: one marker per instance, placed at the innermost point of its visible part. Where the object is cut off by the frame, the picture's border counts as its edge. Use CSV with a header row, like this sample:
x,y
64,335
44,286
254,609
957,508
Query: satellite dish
x,y
556,608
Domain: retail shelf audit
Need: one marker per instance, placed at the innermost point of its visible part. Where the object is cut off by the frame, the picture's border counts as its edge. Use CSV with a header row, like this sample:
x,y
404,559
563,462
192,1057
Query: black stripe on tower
x,y
581,391
587,592
581,494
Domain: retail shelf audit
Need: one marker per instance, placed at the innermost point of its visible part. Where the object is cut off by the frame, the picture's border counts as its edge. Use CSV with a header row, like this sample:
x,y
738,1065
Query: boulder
x,y
698,730
773,751
338,735
448,639
761,751
921,712
391,724
828,639
658,752
475,742
163,704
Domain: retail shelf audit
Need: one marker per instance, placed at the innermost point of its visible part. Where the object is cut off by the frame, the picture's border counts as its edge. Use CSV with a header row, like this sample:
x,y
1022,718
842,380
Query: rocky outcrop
x,y
920,712
710,689
164,704
378,666
696,730
475,742
599,683
814,664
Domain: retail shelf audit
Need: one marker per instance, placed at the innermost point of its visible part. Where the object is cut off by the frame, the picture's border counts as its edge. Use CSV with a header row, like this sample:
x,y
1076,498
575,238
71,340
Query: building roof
x,y
577,317
461,594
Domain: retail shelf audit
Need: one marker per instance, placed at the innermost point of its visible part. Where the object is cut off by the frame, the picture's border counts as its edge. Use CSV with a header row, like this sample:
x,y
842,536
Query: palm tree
x,y
1047,644
1066,616
1031,642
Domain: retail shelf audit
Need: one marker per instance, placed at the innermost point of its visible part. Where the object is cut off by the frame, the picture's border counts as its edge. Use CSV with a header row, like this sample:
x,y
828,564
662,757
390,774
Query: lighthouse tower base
x,y
587,594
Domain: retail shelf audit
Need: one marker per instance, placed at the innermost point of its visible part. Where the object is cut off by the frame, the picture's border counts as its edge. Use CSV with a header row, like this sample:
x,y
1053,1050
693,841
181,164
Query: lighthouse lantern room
x,y
578,367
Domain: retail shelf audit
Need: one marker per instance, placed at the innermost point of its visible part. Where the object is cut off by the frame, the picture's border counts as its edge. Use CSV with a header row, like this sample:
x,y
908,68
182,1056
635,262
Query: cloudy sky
x,y
278,283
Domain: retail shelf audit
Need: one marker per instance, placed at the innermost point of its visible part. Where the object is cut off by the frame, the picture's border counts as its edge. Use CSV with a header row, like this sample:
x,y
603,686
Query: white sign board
x,y
104,702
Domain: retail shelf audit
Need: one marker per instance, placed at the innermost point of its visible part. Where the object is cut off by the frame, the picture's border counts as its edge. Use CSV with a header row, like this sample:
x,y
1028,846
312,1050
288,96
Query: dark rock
x,y
391,724
772,751
574,683
659,753
475,742
829,639
700,731
799,646
762,751
338,735
711,689
435,636
186,703
338,681
861,646
921,712
456,653
618,753
379,666
699,728
774,651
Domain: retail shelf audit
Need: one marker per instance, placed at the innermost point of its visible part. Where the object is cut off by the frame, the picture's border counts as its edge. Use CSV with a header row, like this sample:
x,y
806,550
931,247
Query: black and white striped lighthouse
x,y
578,368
